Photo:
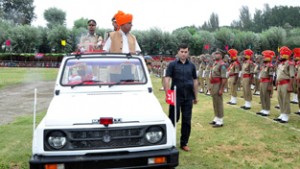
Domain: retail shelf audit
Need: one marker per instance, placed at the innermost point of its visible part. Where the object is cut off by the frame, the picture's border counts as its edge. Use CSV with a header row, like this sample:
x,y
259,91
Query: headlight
x,y
154,134
57,139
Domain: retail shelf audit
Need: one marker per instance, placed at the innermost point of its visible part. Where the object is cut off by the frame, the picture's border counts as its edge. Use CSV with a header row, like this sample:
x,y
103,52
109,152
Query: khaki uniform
x,y
266,89
218,72
285,73
256,78
207,81
297,70
233,73
247,72
90,43
201,75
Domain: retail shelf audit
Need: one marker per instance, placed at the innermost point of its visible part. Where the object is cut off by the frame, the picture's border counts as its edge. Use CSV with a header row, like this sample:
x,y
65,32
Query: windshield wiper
x,y
86,82
121,81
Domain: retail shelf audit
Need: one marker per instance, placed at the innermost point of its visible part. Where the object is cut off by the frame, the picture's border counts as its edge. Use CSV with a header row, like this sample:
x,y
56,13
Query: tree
x,y
20,12
55,36
214,21
224,37
81,23
258,21
273,38
245,18
24,39
54,17
293,39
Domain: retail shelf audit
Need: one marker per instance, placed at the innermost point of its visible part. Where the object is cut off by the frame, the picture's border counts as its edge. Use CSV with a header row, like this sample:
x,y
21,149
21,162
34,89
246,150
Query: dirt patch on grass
x,y
19,100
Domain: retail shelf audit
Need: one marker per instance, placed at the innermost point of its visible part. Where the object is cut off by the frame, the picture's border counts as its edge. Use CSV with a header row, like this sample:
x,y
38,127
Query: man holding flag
x,y
183,75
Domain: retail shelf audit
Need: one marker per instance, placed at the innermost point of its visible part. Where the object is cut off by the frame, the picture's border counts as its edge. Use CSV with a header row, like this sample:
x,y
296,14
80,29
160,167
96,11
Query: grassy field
x,y
245,141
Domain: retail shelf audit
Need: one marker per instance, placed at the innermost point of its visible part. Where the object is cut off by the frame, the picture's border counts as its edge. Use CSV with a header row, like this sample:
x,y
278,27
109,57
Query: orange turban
x,y
285,52
233,53
248,53
268,55
123,19
296,53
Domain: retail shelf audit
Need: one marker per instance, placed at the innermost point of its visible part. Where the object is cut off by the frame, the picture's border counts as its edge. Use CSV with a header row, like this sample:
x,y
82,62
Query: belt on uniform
x,y
284,81
215,80
231,75
246,75
265,80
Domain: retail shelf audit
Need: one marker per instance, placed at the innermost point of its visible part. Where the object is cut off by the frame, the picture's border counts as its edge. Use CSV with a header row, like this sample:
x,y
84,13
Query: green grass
x,y
246,140
13,76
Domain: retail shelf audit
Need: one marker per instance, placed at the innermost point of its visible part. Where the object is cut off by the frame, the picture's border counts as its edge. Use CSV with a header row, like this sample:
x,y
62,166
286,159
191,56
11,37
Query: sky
x,y
167,15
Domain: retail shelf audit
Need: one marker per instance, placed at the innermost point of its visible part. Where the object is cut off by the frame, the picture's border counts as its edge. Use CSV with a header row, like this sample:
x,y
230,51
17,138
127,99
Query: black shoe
x,y
217,125
298,113
231,103
277,119
282,121
277,107
293,102
245,108
256,94
259,113
212,123
265,115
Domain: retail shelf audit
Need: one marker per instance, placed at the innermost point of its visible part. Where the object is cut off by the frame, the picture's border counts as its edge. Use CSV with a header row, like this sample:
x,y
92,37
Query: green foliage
x,y
273,38
224,37
55,36
24,38
80,23
19,12
54,17
293,39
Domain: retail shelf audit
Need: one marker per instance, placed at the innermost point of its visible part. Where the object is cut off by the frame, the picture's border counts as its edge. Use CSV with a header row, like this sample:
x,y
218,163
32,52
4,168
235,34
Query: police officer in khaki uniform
x,y
91,41
233,75
247,75
297,67
266,82
208,67
201,73
257,68
285,77
218,79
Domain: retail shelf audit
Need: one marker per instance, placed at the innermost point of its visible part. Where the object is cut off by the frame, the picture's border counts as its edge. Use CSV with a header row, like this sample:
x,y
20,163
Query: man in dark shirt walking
x,y
183,75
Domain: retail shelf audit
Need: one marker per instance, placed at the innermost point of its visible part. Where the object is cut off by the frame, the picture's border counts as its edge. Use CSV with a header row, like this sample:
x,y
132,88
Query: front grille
x,y
105,138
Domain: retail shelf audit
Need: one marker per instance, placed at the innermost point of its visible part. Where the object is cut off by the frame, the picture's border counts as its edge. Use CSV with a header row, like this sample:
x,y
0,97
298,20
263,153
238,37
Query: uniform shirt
x,y
218,70
285,70
248,67
202,69
183,76
267,70
234,68
90,42
297,69
125,48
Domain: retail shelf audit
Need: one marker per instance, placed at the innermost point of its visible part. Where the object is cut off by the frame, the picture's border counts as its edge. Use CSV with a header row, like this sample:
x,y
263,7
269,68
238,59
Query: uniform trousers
x,y
247,89
233,87
184,106
284,98
265,96
217,100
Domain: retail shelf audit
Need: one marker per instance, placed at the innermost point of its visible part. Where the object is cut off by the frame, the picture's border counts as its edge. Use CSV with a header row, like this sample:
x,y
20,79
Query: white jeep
x,y
104,115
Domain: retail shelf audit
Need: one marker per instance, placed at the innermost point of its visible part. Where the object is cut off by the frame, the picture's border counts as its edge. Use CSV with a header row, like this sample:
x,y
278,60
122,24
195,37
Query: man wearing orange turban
x,y
266,82
247,75
122,41
285,77
297,67
233,75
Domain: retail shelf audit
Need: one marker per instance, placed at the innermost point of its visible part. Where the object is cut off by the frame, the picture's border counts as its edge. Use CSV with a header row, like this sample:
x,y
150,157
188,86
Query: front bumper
x,y
124,160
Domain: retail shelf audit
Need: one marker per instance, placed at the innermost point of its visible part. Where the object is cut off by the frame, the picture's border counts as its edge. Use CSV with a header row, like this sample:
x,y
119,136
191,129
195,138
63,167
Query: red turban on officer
x,y
248,53
285,52
296,53
268,55
233,54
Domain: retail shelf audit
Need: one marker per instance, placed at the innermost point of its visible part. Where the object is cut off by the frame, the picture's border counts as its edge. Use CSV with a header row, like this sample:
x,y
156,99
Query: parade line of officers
x,y
245,71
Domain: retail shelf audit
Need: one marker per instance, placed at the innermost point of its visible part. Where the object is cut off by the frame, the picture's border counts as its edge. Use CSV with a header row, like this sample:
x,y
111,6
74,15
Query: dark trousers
x,y
185,107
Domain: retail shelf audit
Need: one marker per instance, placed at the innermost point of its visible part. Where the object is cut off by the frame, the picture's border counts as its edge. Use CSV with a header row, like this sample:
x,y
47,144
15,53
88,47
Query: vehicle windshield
x,y
103,71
